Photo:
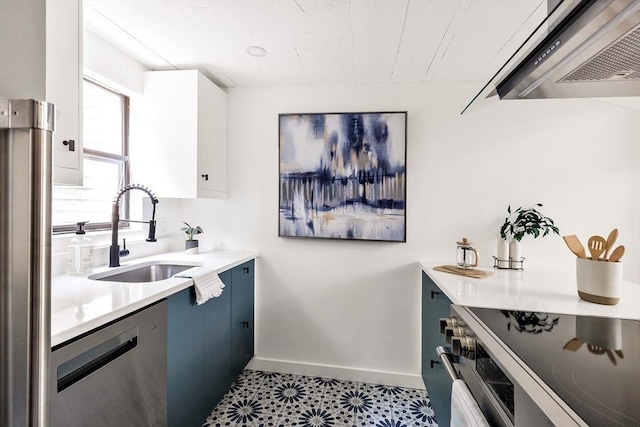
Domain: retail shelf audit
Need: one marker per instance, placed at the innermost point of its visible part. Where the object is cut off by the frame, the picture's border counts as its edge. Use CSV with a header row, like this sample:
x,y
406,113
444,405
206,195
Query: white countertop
x,y
542,290
79,304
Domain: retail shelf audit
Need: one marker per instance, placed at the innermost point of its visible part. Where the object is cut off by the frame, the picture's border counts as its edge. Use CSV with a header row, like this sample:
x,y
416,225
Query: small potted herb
x,y
191,244
526,221
518,224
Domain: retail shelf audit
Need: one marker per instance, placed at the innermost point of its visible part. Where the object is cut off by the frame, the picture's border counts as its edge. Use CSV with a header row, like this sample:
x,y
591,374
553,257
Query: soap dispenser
x,y
80,252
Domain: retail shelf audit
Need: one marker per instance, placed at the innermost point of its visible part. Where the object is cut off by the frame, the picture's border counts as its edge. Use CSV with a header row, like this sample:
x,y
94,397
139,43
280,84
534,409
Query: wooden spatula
x,y
573,345
616,254
574,245
597,245
610,242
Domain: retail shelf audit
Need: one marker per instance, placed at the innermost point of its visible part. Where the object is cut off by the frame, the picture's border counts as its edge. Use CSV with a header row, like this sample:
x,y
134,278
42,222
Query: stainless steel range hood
x,y
583,49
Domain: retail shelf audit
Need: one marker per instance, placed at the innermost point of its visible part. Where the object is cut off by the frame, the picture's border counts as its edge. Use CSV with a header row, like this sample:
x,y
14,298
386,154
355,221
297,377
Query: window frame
x,y
102,156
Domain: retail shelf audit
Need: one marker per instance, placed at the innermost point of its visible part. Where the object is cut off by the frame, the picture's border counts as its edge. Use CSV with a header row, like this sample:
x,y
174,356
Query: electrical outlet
x,y
161,224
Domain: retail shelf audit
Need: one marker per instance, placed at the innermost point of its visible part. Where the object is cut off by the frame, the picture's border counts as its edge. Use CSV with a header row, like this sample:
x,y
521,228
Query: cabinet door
x,y
435,305
217,345
64,87
185,361
186,127
242,326
167,160
212,140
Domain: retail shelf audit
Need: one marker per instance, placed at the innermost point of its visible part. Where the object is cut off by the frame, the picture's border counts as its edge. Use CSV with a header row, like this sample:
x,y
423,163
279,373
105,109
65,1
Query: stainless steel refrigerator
x,y
26,128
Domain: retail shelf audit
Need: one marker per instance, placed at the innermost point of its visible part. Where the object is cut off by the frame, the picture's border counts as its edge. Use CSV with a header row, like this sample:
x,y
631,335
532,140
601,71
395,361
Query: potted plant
x,y
521,222
191,244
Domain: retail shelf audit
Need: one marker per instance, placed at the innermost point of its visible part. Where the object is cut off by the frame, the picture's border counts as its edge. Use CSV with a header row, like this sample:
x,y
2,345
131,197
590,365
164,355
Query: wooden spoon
x,y
610,241
597,245
616,254
574,245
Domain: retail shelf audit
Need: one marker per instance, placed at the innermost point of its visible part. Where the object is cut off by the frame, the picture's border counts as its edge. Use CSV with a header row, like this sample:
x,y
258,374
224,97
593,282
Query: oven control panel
x,y
462,344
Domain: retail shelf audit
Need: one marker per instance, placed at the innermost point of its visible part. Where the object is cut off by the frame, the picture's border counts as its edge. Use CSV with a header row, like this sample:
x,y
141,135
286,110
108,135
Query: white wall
x,y
356,305
109,64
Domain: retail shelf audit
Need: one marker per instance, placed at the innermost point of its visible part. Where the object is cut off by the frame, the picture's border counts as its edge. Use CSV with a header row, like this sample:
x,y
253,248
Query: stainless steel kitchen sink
x,y
152,271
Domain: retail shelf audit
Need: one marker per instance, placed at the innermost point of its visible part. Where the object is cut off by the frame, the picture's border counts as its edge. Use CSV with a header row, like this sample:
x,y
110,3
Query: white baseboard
x,y
346,374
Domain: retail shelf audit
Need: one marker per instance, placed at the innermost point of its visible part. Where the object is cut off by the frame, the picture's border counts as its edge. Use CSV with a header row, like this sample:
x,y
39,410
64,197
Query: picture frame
x,y
343,175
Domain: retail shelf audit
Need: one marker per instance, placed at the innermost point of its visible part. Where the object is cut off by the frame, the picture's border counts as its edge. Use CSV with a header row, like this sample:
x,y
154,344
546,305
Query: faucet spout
x,y
114,250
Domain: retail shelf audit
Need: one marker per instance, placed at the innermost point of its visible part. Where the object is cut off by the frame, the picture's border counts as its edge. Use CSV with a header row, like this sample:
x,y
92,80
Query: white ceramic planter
x,y
600,331
503,253
599,281
191,247
514,251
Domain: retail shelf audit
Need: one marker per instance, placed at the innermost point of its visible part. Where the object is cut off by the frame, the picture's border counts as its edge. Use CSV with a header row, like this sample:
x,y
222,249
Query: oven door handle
x,y
445,357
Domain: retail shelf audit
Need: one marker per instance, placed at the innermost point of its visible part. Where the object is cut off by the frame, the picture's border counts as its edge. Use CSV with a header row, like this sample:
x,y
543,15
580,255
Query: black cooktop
x,y
592,363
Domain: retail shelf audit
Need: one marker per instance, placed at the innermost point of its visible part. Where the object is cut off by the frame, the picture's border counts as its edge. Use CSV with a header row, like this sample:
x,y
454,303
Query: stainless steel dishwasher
x,y
113,376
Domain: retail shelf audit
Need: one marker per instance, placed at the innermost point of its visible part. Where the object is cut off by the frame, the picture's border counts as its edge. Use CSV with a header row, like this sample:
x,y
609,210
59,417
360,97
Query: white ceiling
x,y
314,42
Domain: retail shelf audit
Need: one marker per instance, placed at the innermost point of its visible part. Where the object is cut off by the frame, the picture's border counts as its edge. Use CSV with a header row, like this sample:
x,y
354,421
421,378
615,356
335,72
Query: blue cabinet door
x,y
208,346
242,326
217,345
185,361
435,305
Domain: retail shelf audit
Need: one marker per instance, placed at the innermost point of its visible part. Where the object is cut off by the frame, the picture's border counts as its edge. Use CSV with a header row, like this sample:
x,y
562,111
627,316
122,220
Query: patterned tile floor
x,y
268,399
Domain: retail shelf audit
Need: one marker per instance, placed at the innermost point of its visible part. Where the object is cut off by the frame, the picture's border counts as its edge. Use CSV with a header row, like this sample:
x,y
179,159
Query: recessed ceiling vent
x,y
619,61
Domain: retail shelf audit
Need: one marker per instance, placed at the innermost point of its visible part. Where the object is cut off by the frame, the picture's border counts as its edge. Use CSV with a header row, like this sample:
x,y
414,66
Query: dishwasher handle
x,y
445,357
85,364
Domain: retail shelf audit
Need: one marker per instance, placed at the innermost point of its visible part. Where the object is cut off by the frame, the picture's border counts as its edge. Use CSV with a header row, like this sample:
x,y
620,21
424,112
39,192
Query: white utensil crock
x,y
600,331
599,281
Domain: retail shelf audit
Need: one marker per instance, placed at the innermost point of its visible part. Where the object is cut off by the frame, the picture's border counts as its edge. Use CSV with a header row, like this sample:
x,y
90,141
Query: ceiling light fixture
x,y
257,51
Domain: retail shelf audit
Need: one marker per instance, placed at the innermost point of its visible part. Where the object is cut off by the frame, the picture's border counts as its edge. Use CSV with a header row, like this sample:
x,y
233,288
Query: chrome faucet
x,y
114,250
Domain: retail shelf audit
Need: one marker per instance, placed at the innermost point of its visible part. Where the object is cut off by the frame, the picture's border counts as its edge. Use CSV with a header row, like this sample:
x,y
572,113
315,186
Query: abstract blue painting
x,y
343,176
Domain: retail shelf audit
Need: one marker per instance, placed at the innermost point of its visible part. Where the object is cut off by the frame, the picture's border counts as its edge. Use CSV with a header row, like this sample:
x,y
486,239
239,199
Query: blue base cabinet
x,y
217,345
208,345
242,303
435,305
185,360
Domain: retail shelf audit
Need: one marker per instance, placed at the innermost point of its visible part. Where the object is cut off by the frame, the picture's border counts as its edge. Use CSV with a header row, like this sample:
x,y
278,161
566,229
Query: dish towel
x,y
207,283
465,412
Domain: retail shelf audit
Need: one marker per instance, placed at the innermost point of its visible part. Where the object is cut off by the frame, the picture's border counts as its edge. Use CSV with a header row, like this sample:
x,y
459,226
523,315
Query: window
x,y
105,163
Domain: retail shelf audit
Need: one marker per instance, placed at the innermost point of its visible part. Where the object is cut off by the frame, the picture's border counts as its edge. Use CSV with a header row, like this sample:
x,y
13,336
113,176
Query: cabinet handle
x,y
245,325
246,270
71,144
205,176
434,293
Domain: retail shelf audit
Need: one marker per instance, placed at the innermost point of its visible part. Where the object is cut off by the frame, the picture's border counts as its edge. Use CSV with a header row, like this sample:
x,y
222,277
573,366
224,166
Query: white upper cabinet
x,y
64,87
184,152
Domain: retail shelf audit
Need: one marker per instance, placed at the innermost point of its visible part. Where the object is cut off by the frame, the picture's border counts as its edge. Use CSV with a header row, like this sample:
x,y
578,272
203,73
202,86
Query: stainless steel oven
x,y
506,390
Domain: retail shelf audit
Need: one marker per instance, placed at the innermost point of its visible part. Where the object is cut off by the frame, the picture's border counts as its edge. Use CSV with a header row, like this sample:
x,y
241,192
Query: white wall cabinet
x,y
184,154
64,87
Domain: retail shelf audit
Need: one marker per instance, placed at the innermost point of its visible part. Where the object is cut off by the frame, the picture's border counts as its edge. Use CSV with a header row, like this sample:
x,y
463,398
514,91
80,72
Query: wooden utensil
x,y
616,254
597,245
574,245
595,349
610,242
573,345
